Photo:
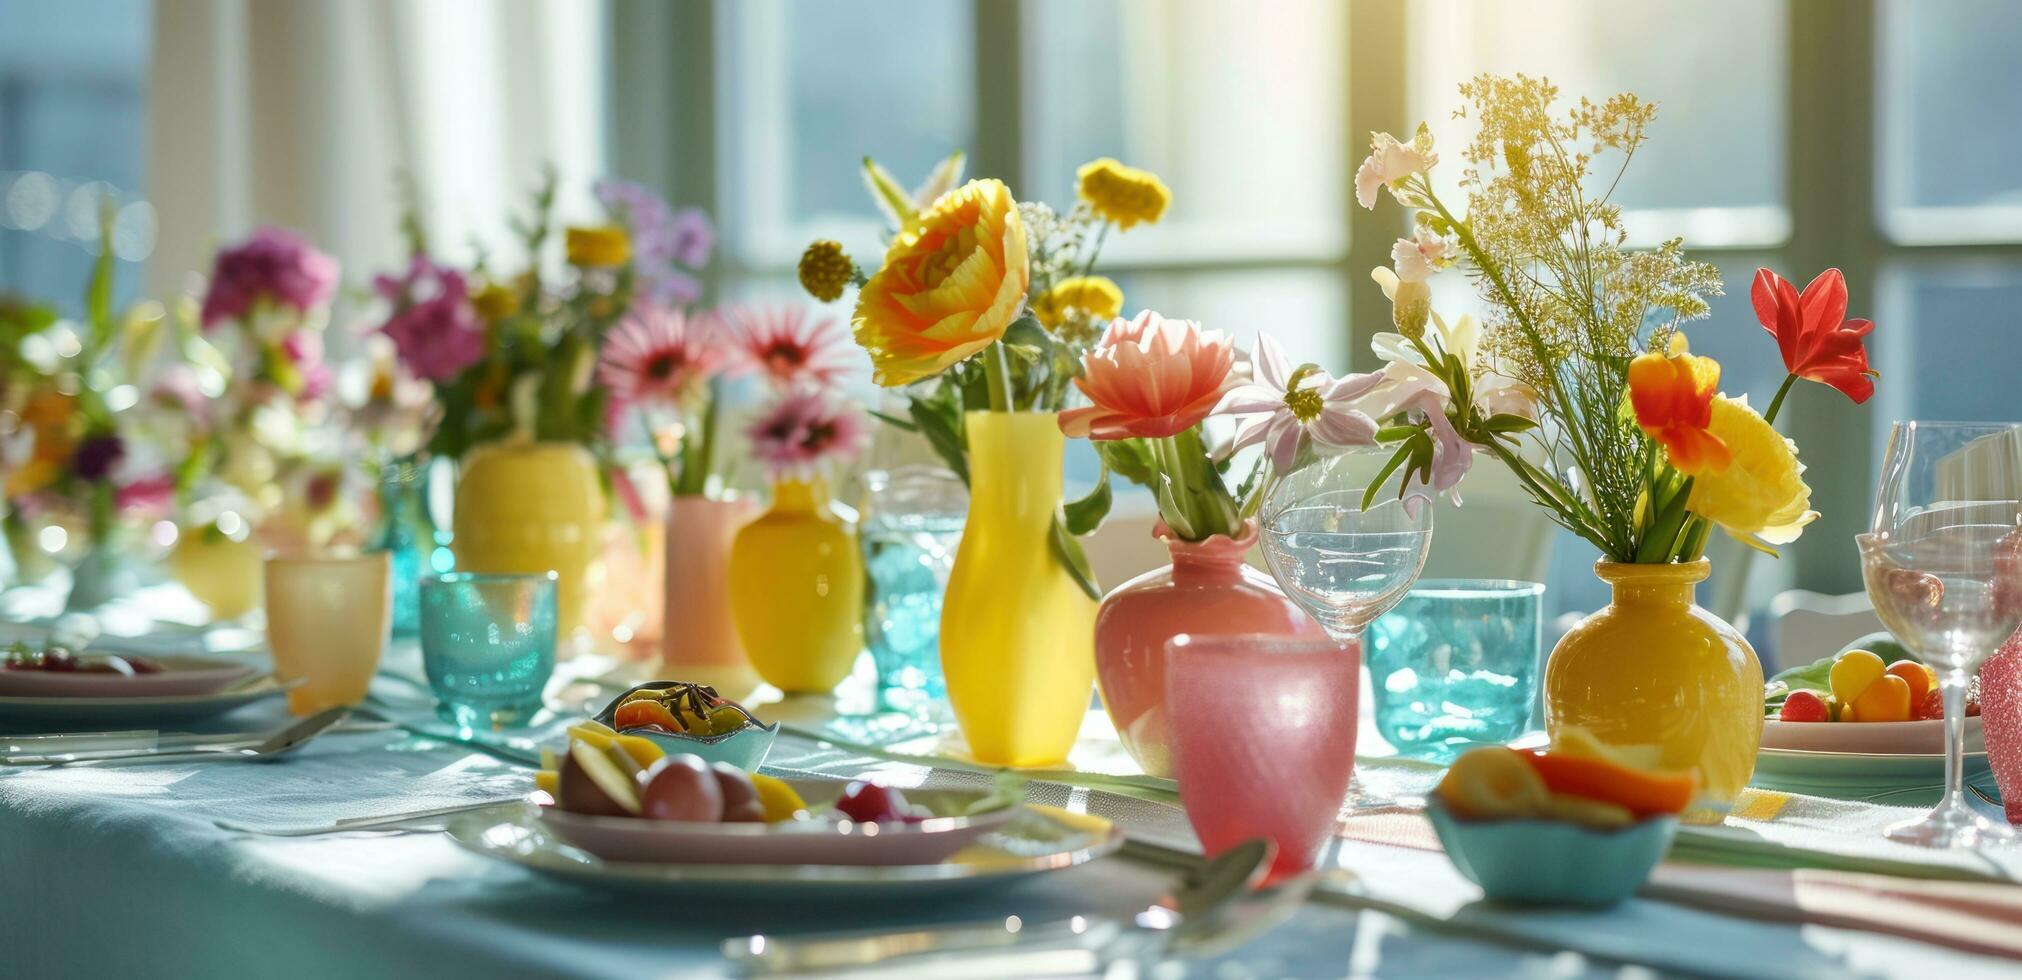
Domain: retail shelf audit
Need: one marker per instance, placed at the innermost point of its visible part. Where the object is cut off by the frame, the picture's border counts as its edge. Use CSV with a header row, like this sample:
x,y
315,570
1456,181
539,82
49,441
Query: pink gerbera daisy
x,y
805,429
788,347
658,355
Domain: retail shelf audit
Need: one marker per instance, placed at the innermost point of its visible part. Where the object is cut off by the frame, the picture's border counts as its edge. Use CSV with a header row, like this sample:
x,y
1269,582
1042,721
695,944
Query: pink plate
x,y
180,676
824,840
1867,737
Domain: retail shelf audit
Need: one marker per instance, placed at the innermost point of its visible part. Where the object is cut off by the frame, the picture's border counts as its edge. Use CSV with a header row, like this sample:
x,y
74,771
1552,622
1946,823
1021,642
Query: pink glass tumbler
x,y
1263,739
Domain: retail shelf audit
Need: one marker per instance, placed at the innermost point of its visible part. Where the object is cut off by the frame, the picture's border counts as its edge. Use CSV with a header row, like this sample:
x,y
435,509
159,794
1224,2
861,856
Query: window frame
x,y
669,131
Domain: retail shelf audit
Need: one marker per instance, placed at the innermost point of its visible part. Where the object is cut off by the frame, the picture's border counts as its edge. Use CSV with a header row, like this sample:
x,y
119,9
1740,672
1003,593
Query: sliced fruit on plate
x,y
590,783
779,799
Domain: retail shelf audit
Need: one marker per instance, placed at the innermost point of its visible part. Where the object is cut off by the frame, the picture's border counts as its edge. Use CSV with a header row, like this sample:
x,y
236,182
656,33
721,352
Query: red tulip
x,y
1817,340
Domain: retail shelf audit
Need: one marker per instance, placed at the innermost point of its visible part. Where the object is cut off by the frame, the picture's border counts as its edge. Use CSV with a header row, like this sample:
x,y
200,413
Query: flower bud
x,y
1410,308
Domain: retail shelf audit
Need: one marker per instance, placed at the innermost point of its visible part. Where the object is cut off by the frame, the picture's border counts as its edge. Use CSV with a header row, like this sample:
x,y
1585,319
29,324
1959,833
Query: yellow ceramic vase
x,y
1652,668
221,573
797,590
529,507
1017,632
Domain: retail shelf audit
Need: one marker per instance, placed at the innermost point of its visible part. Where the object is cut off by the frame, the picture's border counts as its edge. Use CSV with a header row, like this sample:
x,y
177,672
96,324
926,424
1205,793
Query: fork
x,y
280,743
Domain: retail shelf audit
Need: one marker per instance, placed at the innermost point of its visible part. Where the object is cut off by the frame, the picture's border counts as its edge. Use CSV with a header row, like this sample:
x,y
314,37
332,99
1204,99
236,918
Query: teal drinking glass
x,y
488,645
1455,664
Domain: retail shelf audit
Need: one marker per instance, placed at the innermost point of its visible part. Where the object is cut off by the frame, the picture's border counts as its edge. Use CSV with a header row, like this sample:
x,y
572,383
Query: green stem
x,y
707,454
997,375
1661,543
1696,531
1776,404
1101,233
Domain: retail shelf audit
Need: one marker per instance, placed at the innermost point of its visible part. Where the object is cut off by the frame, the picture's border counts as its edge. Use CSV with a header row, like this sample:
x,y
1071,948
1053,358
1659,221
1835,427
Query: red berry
x,y
1930,708
1803,706
1973,708
870,803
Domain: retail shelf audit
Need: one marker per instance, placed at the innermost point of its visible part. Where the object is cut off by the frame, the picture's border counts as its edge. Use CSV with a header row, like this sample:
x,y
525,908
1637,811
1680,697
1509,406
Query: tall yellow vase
x,y
797,590
532,507
1017,632
1652,668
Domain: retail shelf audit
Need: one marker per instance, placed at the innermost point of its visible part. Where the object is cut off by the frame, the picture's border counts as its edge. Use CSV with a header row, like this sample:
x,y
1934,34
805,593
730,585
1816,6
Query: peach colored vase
x,y
698,639
1206,591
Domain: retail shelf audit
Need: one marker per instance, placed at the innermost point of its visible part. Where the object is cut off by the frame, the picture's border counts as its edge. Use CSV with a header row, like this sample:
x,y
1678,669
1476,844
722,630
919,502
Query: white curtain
x,y
305,113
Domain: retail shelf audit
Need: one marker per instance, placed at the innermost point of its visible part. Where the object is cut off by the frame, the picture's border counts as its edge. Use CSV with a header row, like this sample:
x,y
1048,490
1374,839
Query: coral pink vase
x,y
2001,718
1206,591
698,637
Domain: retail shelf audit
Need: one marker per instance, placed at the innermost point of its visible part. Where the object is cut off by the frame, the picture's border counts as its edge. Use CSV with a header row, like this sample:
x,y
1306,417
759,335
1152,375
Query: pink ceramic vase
x,y
1206,591
2001,720
698,637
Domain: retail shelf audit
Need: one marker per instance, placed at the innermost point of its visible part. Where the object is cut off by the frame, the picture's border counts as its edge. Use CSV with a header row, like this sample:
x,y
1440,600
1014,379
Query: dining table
x,y
245,868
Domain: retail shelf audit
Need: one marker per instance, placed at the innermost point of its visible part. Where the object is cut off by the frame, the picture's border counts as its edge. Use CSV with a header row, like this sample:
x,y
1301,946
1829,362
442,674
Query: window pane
x,y
811,88
1948,77
1713,169
1946,343
1237,104
71,124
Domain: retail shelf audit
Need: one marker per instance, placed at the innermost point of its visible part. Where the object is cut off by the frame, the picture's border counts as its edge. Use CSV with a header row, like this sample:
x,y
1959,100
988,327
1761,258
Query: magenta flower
x,y
804,430
96,457
434,327
275,265
304,350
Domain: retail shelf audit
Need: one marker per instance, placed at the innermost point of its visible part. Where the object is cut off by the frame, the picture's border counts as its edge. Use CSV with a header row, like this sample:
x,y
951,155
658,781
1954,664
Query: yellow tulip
x,y
1760,497
950,285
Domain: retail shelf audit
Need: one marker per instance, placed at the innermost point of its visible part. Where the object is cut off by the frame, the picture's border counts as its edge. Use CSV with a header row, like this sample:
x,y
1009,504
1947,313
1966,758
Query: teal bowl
x,y
744,748
1552,862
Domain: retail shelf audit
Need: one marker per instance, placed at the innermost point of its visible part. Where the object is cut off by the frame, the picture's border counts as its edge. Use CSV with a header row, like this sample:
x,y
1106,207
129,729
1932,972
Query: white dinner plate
x,y
1902,779
179,676
1034,841
71,713
1868,737
819,840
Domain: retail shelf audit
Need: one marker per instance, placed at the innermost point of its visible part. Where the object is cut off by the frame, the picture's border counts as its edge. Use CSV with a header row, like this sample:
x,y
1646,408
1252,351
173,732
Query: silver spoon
x,y
280,743
1194,918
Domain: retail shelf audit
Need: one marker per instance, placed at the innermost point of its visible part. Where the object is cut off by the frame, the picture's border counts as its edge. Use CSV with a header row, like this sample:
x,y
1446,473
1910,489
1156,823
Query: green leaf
x,y
1067,548
1026,331
940,420
1393,433
889,196
1175,517
1128,458
894,421
1505,423
1383,475
1085,515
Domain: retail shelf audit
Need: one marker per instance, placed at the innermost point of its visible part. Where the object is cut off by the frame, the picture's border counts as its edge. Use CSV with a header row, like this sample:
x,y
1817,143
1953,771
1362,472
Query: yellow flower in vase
x,y
1760,497
950,286
1122,194
605,247
1096,296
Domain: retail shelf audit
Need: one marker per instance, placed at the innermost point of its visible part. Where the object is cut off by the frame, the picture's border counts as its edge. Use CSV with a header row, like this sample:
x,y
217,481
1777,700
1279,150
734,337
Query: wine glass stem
x,y
1952,685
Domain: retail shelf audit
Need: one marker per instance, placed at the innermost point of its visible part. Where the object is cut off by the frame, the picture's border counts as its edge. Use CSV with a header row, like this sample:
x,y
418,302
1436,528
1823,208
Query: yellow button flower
x,y
605,247
1096,296
1124,195
950,286
825,269
1760,497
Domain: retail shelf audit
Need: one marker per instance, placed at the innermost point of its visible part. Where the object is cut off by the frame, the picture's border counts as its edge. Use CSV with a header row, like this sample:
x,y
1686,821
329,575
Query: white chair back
x,y
1808,625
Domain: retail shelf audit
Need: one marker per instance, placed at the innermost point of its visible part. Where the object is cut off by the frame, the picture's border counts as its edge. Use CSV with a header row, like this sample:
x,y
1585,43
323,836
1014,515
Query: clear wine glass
x,y
1341,563
1943,564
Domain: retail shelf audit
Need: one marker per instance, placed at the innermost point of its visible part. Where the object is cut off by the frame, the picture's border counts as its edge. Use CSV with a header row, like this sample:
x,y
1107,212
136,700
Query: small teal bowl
x,y
744,748
1552,862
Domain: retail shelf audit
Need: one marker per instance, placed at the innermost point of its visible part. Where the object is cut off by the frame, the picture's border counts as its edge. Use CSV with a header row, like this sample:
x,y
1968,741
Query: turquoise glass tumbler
x,y
488,645
1455,664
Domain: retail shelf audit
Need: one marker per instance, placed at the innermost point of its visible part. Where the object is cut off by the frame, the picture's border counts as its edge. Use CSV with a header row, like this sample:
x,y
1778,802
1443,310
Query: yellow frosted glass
x,y
327,623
